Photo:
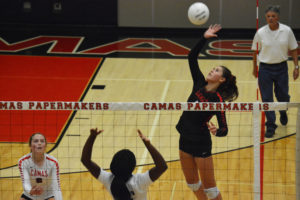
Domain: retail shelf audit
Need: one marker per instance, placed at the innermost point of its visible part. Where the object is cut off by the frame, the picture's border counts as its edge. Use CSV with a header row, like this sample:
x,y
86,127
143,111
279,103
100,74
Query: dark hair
x,y
228,89
273,8
122,166
30,139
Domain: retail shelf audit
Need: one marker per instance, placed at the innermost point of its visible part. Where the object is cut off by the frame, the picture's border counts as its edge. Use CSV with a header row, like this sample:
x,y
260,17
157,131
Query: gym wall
x,y
145,13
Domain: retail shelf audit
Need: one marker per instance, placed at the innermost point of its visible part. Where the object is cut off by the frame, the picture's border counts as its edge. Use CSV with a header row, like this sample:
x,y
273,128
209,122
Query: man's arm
x,y
256,46
294,54
255,68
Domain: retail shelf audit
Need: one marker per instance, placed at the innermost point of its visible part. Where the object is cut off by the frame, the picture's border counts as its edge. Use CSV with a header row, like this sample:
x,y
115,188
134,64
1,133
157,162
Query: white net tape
x,y
148,106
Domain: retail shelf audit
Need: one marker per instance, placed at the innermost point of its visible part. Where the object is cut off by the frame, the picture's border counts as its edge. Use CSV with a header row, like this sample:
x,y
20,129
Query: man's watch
x,y
297,67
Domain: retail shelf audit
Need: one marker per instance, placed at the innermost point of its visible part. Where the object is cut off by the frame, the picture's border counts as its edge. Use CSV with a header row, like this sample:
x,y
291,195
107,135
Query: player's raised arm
x,y
160,163
87,153
197,75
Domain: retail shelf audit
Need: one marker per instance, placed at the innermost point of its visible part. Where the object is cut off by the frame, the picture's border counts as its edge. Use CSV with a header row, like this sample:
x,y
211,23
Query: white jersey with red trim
x,y
46,176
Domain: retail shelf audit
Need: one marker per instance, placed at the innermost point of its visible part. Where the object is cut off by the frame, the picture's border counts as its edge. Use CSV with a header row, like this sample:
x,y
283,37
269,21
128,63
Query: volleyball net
x,y
247,166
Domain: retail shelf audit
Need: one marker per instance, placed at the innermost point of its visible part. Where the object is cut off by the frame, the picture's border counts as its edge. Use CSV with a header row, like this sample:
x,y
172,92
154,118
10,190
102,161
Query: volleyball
x,y
198,13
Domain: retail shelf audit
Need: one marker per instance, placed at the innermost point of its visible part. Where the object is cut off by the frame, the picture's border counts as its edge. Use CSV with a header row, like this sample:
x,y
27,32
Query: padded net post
x,y
256,150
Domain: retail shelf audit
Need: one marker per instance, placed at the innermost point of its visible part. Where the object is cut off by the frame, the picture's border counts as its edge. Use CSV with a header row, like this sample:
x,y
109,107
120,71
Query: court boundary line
x,y
154,125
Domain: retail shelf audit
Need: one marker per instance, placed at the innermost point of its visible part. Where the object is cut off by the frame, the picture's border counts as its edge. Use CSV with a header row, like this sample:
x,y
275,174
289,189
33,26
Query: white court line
x,y
232,183
173,191
155,122
163,80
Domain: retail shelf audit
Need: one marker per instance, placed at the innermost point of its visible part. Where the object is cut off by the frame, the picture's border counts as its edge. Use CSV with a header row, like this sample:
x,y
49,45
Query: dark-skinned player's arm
x,y
87,153
160,163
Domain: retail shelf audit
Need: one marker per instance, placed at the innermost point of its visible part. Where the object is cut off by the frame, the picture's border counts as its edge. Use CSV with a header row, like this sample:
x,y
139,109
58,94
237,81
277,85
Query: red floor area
x,y
40,78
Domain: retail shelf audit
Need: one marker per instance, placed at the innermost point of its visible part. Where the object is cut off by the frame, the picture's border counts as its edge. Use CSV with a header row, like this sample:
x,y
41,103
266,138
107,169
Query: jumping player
x,y
120,182
39,172
195,142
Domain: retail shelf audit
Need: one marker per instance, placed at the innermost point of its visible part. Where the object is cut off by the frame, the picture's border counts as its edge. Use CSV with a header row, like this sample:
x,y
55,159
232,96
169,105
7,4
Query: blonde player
x,y
120,182
39,172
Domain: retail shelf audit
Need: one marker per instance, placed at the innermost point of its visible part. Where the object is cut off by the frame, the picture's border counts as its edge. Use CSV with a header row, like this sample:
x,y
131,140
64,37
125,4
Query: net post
x,y
256,150
297,154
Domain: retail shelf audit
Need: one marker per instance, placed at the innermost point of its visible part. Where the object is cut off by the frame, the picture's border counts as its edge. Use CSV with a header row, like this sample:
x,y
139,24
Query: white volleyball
x,y
198,13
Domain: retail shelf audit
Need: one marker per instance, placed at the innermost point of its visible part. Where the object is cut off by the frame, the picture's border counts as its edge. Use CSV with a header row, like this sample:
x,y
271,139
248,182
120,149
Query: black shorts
x,y
196,148
27,198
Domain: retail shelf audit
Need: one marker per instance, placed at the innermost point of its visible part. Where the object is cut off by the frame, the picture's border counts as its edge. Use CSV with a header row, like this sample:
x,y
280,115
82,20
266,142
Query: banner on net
x,y
146,106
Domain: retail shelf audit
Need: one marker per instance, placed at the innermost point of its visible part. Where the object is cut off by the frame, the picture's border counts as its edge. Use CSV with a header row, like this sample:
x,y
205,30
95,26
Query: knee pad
x,y
212,193
195,186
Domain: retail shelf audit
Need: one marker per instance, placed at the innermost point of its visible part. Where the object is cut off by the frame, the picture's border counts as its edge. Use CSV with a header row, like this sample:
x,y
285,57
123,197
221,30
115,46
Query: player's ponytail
x,y
122,166
228,89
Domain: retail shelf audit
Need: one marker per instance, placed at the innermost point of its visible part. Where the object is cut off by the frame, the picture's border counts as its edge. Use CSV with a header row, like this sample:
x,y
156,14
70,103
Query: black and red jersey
x,y
192,124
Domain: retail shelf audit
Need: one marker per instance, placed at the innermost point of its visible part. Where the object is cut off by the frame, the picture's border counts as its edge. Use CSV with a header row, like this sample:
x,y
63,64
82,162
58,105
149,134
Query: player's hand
x,y
296,73
39,190
212,30
33,190
95,132
36,190
212,128
144,138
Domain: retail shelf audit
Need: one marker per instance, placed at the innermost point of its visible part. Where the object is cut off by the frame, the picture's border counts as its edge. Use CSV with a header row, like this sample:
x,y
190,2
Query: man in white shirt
x,y
273,42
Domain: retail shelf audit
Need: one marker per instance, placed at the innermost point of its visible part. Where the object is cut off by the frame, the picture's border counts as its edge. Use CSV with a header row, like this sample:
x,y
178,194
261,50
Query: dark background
x,y
73,12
